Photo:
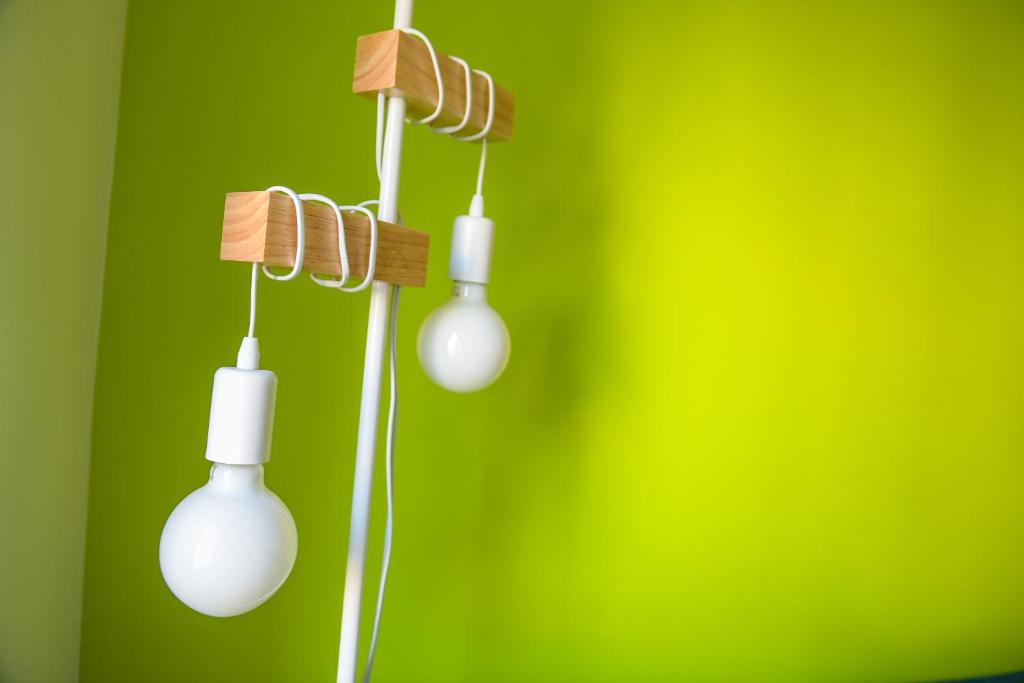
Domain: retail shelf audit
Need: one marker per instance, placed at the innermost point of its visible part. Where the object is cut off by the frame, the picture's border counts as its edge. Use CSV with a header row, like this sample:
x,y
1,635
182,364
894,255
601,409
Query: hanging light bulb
x,y
464,345
228,546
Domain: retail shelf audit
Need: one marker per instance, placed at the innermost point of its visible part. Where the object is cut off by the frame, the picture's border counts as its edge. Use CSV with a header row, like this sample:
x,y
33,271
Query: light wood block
x,y
400,63
260,227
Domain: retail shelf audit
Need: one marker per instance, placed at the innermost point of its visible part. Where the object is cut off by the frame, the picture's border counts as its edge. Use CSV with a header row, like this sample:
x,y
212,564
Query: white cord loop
x,y
371,264
342,251
371,260
437,74
300,235
489,123
448,130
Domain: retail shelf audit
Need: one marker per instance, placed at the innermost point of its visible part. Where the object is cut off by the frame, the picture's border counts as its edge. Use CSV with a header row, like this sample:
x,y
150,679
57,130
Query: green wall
x,y
60,68
762,265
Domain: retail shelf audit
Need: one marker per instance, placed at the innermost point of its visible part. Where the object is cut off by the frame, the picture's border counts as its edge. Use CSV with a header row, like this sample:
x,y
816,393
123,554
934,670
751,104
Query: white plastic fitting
x,y
472,237
242,411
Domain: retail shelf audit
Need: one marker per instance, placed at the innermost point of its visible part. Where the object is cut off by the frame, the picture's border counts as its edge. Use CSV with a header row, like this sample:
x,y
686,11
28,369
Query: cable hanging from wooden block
x,y
448,130
485,131
300,248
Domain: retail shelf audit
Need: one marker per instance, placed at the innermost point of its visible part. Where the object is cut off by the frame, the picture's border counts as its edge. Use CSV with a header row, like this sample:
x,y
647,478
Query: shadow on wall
x,y
1004,678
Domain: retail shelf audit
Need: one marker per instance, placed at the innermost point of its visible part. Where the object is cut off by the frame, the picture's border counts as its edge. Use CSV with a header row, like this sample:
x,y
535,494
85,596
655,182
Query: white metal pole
x,y
369,407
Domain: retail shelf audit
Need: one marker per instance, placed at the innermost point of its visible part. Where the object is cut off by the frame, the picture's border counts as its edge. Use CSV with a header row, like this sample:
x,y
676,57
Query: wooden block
x,y
400,63
260,227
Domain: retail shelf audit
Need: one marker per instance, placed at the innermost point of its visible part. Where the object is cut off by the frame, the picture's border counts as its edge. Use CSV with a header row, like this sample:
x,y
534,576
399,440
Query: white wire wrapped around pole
x,y
369,409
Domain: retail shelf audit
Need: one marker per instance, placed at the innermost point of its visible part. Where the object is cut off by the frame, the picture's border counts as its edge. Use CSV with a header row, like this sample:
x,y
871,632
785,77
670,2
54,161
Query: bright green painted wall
x,y
762,419
60,67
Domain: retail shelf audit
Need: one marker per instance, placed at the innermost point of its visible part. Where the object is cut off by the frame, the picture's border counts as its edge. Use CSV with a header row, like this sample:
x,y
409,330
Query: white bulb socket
x,y
241,416
470,259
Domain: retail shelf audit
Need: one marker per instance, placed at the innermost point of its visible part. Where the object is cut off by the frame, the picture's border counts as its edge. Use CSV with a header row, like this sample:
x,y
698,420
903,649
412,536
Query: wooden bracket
x,y
260,227
400,63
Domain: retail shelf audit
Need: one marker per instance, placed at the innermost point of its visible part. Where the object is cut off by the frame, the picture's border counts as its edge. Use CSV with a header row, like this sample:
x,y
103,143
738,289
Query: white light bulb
x,y
464,345
228,546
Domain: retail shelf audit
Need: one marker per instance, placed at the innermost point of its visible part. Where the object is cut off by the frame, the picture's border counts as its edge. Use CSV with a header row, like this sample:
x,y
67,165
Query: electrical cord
x,y
248,355
389,470
252,300
483,164
389,449
379,158
393,332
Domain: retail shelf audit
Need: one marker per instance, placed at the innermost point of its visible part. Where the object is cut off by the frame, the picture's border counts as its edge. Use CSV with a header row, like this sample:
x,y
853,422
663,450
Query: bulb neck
x,y
469,292
236,480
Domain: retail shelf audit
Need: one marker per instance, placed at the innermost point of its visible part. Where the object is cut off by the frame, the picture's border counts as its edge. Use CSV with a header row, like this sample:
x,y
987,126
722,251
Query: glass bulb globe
x,y
228,546
464,345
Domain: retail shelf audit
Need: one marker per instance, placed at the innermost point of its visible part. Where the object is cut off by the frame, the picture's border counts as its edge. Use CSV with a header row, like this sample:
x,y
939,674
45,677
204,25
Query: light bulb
x,y
464,345
228,546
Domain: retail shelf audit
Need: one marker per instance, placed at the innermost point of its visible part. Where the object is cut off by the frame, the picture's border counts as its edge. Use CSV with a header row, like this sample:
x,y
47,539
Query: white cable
x,y
300,246
392,421
448,130
379,158
342,249
489,123
252,300
300,235
483,164
371,259
437,74
389,470
393,332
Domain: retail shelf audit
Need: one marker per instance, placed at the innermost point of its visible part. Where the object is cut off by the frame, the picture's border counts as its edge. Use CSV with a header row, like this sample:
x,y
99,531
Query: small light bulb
x,y
228,546
464,345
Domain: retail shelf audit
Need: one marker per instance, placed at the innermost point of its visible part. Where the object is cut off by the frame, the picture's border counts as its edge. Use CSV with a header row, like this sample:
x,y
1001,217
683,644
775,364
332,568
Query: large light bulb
x,y
464,345
229,546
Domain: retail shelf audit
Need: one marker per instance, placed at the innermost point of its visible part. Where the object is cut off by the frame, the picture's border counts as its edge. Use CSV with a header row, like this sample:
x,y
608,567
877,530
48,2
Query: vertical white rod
x,y
403,13
369,407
